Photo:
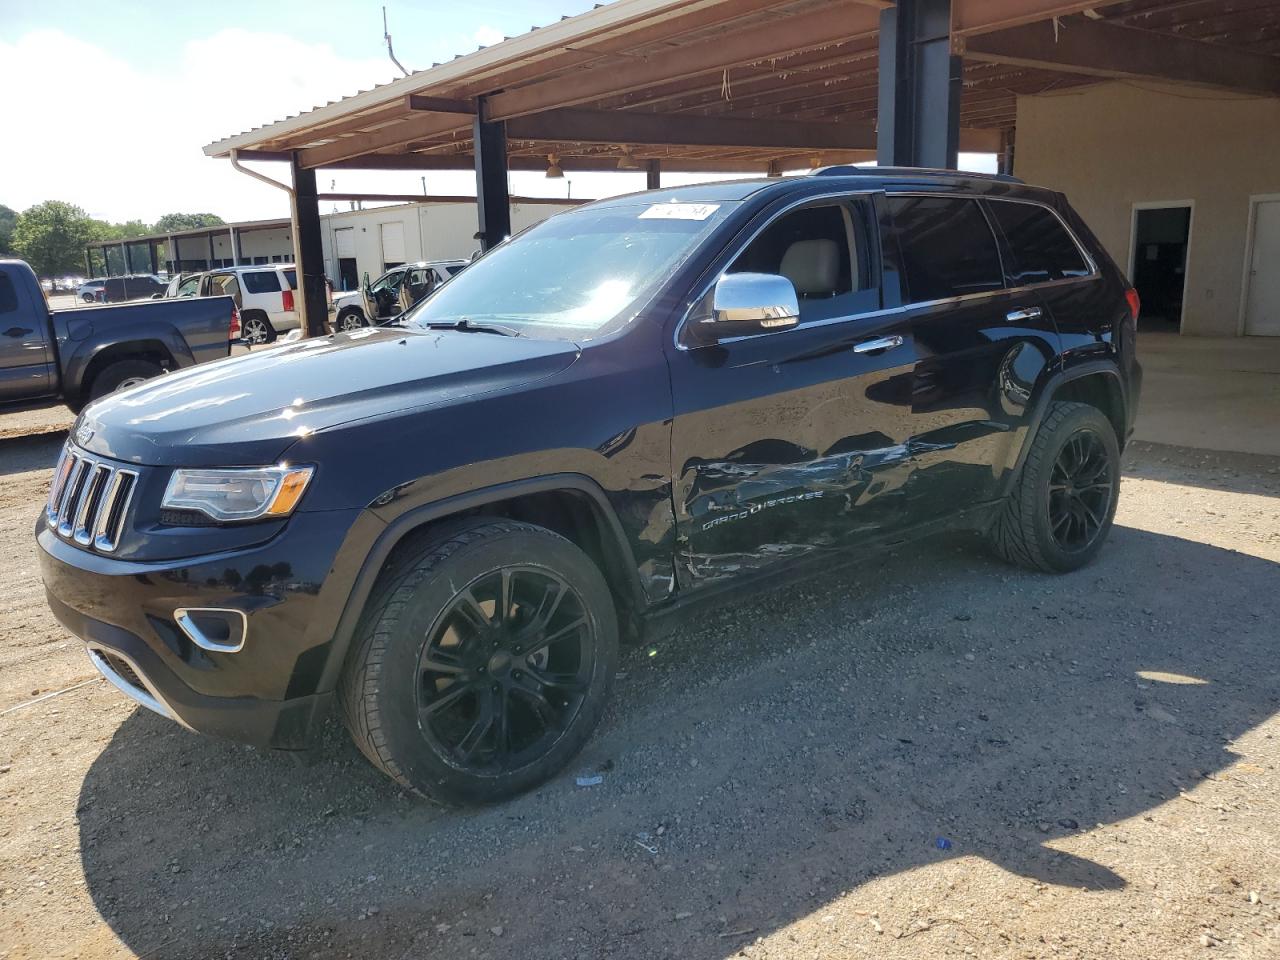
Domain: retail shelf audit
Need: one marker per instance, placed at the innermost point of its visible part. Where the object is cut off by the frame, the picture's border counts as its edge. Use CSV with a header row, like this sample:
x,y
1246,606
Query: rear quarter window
x,y
1039,248
291,278
947,247
261,281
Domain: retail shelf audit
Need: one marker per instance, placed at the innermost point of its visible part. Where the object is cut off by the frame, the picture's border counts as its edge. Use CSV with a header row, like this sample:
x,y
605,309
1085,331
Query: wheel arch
x,y
1095,382
155,351
572,505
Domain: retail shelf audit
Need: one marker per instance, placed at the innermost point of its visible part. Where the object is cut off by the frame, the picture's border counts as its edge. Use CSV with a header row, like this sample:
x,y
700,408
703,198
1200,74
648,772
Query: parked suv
x,y
633,408
264,294
392,293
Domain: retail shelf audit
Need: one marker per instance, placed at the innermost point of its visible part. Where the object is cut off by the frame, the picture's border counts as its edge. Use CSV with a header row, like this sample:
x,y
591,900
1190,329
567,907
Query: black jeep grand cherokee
x,y
447,525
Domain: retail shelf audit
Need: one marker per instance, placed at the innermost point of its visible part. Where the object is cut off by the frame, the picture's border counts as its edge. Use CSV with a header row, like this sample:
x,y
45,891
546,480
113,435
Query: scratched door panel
x,y
788,444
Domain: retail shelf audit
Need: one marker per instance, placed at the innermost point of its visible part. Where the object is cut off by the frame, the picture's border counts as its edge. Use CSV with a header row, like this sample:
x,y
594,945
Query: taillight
x,y
287,298
1135,304
233,332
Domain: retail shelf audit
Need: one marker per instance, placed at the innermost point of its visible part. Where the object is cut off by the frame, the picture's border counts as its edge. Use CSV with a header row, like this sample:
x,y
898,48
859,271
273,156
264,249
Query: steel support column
x,y
493,200
653,175
919,102
312,296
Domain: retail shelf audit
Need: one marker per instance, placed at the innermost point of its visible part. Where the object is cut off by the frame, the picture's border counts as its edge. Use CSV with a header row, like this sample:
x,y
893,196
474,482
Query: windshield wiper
x,y
467,325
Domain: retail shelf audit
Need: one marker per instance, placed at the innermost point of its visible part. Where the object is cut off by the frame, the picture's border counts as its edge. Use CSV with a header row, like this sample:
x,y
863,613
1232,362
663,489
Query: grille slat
x,y
89,500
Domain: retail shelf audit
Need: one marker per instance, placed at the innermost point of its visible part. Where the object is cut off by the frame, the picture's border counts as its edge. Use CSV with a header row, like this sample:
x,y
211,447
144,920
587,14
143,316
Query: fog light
x,y
212,628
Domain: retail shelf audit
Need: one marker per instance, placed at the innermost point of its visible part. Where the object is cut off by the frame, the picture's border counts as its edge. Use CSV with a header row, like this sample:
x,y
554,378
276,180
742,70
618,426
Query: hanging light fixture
x,y
553,167
627,161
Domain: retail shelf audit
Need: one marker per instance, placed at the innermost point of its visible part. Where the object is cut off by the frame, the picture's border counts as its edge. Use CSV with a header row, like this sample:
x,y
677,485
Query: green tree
x,y
187,221
103,230
51,236
8,219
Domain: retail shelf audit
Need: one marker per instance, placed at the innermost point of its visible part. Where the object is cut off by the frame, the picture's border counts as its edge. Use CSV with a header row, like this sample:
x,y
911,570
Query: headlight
x,y
237,494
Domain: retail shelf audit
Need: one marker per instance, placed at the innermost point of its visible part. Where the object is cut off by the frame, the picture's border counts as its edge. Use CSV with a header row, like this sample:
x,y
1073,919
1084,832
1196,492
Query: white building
x,y
356,242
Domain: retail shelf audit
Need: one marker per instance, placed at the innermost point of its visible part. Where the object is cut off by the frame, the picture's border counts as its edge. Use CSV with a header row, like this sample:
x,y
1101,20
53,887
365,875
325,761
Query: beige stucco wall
x,y
1115,144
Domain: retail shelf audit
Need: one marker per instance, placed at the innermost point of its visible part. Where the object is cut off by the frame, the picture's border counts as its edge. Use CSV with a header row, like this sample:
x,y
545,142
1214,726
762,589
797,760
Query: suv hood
x,y
352,298
248,410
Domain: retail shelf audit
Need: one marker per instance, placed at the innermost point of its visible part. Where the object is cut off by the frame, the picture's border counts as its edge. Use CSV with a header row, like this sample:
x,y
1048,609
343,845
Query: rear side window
x,y
261,281
947,247
291,277
8,296
1039,246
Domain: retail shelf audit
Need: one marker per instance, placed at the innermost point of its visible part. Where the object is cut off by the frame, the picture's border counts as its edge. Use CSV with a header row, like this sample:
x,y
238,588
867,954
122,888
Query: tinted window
x,y
261,281
821,251
948,250
1039,247
291,277
8,297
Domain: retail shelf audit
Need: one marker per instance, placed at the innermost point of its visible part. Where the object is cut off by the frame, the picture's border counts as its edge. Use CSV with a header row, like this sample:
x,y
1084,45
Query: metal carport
x,y
752,86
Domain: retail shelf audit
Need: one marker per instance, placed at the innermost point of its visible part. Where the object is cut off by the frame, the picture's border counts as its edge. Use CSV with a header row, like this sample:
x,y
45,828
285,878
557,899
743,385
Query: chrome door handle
x,y
1024,313
875,346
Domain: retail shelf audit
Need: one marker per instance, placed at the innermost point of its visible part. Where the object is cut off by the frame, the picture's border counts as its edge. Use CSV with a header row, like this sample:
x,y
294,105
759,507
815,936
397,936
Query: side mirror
x,y
747,303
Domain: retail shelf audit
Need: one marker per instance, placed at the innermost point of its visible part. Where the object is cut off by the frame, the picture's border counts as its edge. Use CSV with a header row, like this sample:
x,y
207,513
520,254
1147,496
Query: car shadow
x,y
34,452
755,765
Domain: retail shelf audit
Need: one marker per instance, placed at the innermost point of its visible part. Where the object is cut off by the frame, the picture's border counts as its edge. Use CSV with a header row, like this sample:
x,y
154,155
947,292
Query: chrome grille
x,y
89,499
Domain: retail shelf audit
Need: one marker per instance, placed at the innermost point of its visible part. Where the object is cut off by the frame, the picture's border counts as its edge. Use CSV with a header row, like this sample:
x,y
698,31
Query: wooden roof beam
x,y
833,22
633,127
1098,49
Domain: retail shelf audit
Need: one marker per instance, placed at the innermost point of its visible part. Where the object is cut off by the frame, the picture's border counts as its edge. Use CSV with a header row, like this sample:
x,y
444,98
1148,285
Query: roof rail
x,y
848,170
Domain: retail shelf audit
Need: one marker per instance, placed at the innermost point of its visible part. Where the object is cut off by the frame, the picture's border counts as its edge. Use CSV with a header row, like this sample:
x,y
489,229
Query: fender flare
x,y
1050,389
415,517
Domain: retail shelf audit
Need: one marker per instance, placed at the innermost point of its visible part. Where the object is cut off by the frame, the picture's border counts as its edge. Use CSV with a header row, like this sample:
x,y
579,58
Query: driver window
x,y
823,251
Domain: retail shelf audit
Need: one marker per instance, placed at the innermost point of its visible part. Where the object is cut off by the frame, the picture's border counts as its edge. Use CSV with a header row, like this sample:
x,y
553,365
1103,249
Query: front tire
x,y
483,663
1064,501
351,320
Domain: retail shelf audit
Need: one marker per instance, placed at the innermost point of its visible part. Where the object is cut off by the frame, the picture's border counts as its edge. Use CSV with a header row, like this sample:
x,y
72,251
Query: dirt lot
x,y
927,755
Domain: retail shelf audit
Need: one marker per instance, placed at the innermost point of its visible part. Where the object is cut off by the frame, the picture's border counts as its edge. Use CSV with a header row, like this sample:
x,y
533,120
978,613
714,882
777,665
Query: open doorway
x,y
1159,238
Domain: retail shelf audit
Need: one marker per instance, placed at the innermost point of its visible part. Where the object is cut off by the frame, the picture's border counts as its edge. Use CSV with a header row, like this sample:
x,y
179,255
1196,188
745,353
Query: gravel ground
x,y
926,755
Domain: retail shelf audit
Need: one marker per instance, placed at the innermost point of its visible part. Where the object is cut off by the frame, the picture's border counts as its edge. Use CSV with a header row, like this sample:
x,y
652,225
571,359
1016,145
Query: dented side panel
x,y
788,444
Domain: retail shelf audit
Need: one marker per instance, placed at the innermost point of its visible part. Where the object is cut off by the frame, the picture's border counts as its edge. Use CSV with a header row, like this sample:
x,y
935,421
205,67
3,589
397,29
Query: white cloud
x,y
125,142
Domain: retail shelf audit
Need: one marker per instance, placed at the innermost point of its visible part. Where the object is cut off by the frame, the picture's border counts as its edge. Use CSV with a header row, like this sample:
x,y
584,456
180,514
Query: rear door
x,y
1041,251
795,442
26,361
980,347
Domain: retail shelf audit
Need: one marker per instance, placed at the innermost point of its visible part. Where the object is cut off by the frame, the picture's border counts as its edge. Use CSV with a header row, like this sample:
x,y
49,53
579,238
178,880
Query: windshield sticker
x,y
680,211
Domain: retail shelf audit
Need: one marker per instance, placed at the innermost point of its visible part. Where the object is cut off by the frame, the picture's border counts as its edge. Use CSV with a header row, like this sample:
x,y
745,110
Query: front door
x,y
793,443
26,367
1262,312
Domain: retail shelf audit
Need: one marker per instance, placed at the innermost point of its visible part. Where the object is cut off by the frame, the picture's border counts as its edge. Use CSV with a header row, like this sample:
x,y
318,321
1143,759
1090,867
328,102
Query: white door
x,y
392,244
1262,314
344,240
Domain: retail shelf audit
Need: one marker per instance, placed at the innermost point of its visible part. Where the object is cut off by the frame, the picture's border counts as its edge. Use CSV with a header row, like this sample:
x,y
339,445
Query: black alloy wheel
x,y
1080,491
483,660
1060,509
504,671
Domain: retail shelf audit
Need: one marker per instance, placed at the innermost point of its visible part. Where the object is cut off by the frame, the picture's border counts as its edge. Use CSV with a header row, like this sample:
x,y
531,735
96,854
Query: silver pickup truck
x,y
80,354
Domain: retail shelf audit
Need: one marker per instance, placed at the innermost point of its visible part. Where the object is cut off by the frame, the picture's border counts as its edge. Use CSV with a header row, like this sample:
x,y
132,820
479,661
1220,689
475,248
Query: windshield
x,y
576,275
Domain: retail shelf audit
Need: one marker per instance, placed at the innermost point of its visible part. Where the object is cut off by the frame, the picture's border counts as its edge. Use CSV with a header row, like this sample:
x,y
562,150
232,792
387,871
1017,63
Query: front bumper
x,y
290,591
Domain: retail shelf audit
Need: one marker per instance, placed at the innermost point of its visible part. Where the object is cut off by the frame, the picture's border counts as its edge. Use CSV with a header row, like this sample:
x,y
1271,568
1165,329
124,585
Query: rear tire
x,y
256,329
121,375
1064,500
482,663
